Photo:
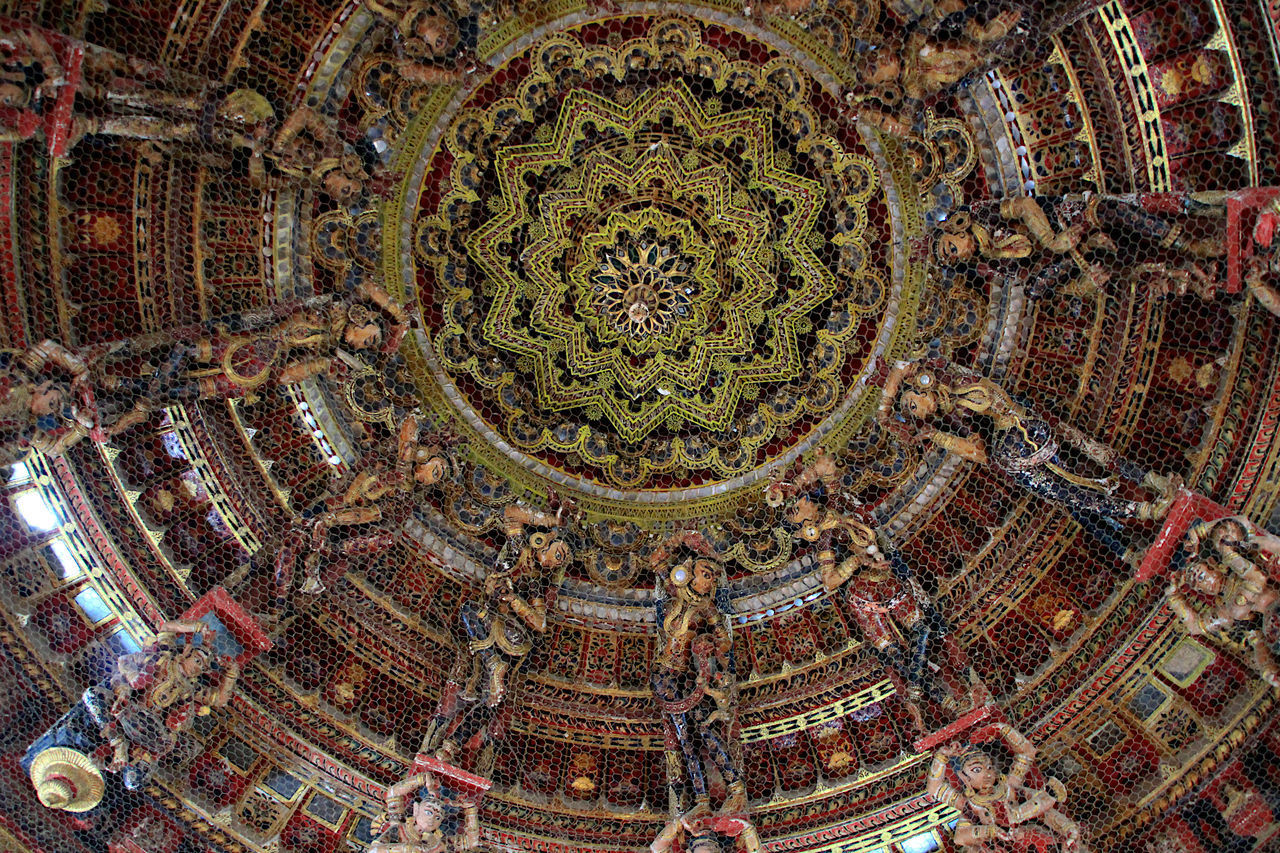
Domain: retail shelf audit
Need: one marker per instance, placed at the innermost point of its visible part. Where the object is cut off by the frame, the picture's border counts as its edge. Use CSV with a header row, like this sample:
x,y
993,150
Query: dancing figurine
x,y
417,828
694,676
128,722
998,812
1233,566
501,630
1022,444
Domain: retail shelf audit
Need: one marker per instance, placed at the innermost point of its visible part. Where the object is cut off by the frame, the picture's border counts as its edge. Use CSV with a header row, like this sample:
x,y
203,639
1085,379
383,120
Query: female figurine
x,y
424,30
30,74
135,716
694,677
501,630
307,149
420,832
48,402
240,354
1084,229
1233,568
990,427
898,76
880,591
998,813
370,513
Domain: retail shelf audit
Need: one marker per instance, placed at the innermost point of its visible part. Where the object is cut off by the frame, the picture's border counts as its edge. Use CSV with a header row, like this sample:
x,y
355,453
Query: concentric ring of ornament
x,y
638,280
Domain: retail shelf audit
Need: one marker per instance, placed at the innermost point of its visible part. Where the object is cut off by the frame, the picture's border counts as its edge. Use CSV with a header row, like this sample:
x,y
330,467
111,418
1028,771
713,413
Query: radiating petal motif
x,y
610,309
635,278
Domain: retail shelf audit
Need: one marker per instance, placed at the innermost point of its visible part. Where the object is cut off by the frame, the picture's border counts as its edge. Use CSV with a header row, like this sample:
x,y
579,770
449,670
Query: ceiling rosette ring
x,y
632,281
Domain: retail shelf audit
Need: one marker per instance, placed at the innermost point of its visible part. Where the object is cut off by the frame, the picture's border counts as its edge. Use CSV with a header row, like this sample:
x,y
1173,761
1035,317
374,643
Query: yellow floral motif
x,y
666,367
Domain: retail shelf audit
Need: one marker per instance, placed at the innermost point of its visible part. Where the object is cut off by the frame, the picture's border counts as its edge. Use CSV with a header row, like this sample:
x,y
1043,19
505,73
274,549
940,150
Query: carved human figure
x,y
30,73
880,591
431,48
1262,272
129,721
500,630
49,401
899,75
117,95
707,834
127,97
1084,230
367,516
50,395
998,813
241,354
425,28
415,815
308,150
1018,442
1233,566
36,405
694,677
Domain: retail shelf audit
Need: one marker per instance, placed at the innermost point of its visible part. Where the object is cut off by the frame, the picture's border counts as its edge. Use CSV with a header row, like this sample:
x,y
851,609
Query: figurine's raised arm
x,y
1024,752
937,785
892,386
517,516
1029,212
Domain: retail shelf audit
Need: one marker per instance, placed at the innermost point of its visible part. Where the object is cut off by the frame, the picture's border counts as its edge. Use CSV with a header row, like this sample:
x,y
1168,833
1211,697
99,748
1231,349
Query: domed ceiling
x,y
609,426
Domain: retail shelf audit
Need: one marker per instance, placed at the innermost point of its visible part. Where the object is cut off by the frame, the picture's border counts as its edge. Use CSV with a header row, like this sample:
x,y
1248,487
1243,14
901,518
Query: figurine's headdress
x,y
958,222
429,795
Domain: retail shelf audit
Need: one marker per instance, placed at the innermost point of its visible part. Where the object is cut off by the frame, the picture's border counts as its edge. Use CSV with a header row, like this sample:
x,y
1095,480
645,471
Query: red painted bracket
x,y
469,784
1185,510
240,637
953,731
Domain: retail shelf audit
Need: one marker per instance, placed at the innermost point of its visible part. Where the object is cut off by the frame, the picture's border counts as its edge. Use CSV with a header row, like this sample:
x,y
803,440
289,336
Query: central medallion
x,y
649,263
650,278
644,290
657,181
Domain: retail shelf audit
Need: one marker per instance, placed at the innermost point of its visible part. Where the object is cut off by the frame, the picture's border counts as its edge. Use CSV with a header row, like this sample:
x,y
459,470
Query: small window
x,y
239,753
173,446
93,605
36,512
363,831
62,560
925,842
327,811
19,474
283,784
123,643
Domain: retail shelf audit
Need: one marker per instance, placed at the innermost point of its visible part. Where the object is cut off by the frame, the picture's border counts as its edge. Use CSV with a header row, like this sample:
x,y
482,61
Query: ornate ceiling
x,y
538,397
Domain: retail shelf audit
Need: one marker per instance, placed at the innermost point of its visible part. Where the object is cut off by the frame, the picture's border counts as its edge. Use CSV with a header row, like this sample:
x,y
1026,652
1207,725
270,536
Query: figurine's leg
x,y
1065,828
1108,532
447,710
474,719
895,666
918,676
719,754
1073,496
668,688
692,761
1122,219
478,630
145,127
1264,661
